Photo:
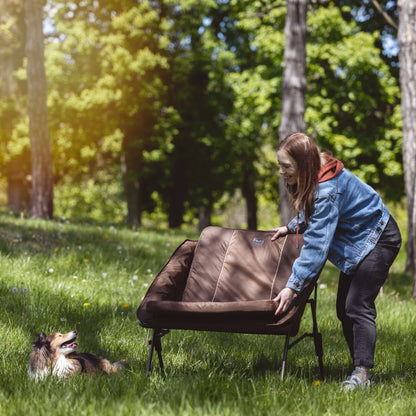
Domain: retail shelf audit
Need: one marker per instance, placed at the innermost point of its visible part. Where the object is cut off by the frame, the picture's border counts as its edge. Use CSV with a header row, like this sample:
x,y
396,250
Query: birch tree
x,y
294,83
42,177
407,56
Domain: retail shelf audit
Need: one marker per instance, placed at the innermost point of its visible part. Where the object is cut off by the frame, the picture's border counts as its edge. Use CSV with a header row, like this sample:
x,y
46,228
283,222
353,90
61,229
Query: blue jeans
x,y
358,291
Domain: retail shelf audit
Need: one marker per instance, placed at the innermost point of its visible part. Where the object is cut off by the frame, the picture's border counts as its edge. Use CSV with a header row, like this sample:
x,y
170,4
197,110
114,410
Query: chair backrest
x,y
239,265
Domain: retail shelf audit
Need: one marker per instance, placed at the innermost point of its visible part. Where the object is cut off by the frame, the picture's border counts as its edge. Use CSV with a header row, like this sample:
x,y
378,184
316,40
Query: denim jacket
x,y
348,219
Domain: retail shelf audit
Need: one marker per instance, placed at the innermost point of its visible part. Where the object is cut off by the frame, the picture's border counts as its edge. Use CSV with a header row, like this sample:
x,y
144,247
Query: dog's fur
x,y
56,354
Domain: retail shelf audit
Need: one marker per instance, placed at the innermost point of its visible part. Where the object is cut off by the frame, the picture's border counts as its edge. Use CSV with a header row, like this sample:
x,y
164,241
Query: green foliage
x,y
178,103
98,199
60,276
353,101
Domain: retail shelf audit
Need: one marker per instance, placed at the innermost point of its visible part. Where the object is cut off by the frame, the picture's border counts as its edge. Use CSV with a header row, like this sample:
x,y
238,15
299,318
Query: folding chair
x,y
225,282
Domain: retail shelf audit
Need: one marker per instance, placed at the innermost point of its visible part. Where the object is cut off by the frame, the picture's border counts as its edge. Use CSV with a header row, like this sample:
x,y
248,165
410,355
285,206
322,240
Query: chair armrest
x,y
170,283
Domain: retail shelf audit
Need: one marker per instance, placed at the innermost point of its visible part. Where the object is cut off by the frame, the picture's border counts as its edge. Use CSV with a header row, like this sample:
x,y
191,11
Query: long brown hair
x,y
306,154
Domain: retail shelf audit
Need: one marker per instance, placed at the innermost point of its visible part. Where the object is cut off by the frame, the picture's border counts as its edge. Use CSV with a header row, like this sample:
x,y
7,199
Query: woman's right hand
x,y
279,232
283,300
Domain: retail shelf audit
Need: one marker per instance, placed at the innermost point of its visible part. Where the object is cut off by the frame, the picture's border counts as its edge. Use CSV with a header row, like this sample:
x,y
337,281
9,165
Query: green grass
x,y
60,276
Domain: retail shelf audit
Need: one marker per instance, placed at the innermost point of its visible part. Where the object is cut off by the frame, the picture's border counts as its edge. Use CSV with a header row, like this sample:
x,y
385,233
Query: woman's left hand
x,y
279,232
284,299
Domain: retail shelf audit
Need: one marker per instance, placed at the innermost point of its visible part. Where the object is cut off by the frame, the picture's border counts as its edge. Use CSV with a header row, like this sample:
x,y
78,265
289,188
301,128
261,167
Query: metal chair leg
x,y
317,336
285,351
156,344
149,360
319,353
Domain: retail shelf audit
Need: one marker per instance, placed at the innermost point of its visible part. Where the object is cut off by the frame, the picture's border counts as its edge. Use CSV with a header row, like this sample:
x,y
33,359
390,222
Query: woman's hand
x,y
279,232
284,299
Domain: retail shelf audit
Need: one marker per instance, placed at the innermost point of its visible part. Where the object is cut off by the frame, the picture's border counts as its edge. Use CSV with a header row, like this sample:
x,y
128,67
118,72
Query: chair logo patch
x,y
257,242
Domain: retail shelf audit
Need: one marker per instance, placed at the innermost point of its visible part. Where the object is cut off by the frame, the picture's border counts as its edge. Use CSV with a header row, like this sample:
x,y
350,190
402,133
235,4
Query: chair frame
x,y
157,334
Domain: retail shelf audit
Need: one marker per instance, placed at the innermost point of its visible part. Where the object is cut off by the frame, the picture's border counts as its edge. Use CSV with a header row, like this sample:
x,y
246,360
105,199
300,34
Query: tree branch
x,y
266,12
389,20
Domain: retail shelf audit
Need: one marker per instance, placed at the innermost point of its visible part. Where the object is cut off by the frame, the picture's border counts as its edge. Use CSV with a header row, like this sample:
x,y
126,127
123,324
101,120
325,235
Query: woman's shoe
x,y
353,382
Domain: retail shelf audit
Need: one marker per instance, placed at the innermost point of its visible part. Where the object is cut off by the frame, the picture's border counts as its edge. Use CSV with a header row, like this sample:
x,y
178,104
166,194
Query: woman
x,y
345,221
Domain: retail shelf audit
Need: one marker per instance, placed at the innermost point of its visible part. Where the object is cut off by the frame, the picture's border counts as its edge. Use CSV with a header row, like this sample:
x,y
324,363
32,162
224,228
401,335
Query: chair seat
x,y
251,317
232,274
215,309
226,282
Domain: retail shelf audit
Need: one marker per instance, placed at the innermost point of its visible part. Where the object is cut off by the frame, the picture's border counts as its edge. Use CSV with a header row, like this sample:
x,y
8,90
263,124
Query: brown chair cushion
x,y
237,265
225,281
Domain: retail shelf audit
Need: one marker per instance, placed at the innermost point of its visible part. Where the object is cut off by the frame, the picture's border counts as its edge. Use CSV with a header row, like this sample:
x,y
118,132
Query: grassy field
x,y
61,276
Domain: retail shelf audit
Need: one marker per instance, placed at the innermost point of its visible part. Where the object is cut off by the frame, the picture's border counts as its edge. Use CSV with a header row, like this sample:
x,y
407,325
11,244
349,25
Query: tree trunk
x,y
138,133
407,56
204,217
131,163
294,84
178,193
249,193
42,176
179,183
12,53
18,183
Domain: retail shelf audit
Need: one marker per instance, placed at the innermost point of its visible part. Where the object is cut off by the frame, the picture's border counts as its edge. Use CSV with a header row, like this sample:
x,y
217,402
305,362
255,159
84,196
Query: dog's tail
x,y
110,368
120,365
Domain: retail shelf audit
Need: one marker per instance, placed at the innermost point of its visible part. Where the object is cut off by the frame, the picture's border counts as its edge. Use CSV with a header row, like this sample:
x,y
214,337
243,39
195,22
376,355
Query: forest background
x,y
168,111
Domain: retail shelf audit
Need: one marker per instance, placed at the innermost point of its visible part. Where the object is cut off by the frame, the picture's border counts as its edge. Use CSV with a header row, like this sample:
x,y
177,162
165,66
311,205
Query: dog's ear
x,y
40,341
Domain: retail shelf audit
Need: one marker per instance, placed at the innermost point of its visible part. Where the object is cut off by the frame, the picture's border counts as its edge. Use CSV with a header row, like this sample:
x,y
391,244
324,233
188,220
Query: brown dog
x,y
56,354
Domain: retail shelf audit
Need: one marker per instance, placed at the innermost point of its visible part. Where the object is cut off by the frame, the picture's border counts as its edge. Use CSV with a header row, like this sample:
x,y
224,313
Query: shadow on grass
x,y
232,354
42,237
37,311
44,310
248,355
